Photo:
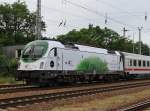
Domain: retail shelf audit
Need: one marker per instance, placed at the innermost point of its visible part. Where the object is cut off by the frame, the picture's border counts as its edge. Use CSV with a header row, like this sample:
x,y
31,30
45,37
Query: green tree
x,y
103,38
17,23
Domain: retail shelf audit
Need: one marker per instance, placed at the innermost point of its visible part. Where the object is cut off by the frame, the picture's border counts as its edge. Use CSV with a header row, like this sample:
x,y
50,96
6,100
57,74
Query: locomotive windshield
x,y
34,51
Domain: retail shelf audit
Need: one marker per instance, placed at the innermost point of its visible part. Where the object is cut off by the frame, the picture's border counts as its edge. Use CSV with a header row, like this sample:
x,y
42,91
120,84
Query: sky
x,y
80,13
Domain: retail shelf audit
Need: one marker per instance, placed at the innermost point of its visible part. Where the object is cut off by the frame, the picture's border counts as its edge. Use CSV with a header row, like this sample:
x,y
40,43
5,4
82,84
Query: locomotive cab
x,y
33,56
38,61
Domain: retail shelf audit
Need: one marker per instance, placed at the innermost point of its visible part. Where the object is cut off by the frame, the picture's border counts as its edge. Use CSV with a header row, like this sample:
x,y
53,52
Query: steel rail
x,y
17,89
9,86
137,107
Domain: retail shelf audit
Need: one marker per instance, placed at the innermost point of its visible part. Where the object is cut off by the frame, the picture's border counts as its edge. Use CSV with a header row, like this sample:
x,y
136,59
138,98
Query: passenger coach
x,y
137,64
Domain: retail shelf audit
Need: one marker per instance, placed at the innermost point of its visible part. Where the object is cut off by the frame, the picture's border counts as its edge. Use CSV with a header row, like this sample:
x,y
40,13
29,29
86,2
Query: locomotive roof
x,y
80,47
91,49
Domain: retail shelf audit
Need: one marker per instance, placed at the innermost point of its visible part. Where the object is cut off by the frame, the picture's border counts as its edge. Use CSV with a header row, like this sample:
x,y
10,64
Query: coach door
x,y
53,59
121,61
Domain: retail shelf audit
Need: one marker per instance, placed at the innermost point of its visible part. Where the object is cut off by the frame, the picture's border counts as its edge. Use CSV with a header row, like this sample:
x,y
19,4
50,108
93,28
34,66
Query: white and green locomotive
x,y
48,62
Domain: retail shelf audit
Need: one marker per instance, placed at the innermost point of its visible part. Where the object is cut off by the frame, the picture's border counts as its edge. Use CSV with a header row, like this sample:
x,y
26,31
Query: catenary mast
x,y
38,20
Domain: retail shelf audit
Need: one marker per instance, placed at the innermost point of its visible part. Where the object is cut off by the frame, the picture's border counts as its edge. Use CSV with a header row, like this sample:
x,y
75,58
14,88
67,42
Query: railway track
x,y
11,86
147,109
22,87
17,101
141,106
17,89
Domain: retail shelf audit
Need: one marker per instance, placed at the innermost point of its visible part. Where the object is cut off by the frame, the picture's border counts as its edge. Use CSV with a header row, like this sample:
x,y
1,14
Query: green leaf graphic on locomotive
x,y
92,65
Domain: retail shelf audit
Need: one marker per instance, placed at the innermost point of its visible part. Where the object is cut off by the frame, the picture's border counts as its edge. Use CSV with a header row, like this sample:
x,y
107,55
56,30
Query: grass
x,y
7,79
107,103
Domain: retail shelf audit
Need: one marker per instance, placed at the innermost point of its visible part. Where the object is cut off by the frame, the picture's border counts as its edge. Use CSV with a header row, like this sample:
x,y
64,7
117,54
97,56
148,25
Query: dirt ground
x,y
100,102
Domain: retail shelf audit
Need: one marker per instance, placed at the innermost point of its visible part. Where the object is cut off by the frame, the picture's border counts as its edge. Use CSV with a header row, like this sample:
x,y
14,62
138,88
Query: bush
x,y
4,64
0,49
13,65
6,79
7,67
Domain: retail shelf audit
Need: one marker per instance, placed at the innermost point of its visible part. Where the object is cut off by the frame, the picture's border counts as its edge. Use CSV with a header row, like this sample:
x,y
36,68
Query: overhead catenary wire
x,y
68,13
97,13
100,14
89,19
124,11
56,21
117,8
64,19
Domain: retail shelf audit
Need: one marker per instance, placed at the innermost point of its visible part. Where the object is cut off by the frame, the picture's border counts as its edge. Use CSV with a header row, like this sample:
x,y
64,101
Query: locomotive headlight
x,y
41,65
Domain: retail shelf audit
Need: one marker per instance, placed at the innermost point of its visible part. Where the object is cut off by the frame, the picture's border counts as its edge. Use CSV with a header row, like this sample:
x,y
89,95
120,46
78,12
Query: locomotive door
x,y
53,59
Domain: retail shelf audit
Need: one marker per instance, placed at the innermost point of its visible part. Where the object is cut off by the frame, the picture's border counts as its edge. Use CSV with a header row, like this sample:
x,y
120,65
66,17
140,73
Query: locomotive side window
x,y
144,63
147,63
134,63
139,63
53,52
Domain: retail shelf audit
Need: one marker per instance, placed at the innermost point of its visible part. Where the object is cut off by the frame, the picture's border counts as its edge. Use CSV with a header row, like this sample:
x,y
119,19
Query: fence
x,y
12,51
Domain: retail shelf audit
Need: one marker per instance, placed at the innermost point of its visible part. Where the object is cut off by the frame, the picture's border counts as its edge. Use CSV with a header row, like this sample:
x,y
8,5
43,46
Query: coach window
x,y
134,63
147,63
139,63
130,63
144,63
